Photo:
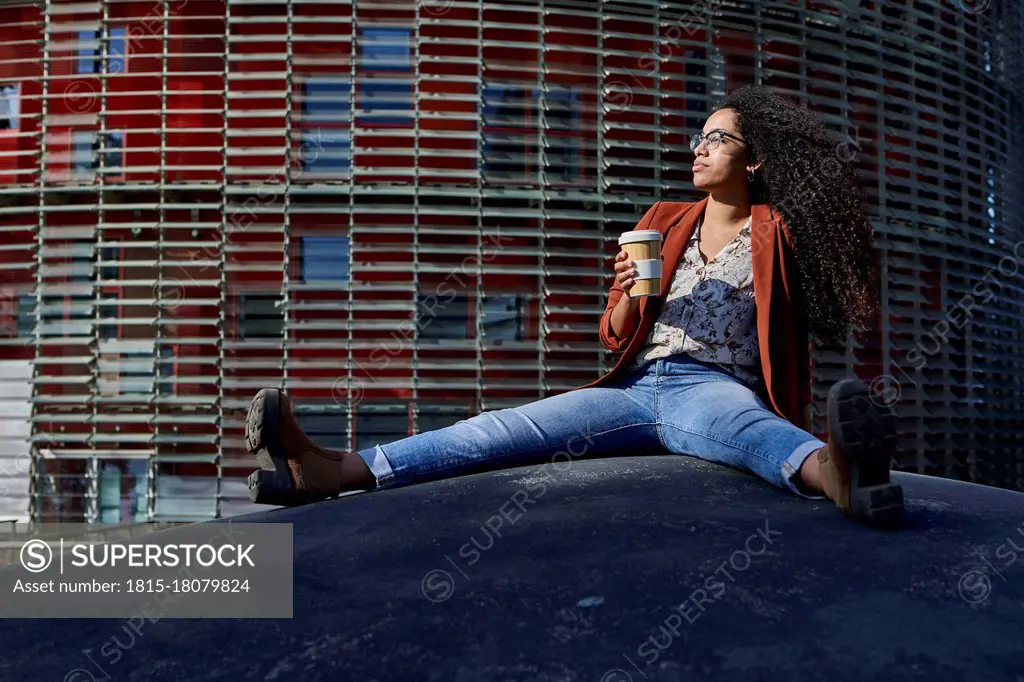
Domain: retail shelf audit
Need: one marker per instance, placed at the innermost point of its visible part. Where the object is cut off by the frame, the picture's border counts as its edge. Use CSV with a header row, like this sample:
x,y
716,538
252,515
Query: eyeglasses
x,y
713,139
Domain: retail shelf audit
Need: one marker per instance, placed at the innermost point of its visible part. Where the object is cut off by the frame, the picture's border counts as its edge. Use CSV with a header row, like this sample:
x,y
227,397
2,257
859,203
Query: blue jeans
x,y
674,405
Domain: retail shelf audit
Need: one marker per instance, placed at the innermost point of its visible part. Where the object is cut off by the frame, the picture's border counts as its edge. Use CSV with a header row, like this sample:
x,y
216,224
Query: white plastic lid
x,y
639,236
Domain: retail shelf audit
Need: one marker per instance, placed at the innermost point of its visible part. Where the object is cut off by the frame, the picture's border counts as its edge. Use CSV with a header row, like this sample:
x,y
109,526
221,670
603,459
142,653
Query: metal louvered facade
x,y
404,213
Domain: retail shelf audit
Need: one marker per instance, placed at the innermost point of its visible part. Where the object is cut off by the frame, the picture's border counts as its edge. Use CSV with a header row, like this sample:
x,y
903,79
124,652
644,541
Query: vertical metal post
x,y
657,91
36,469
353,234
225,293
286,289
165,66
99,148
415,411
480,181
542,104
479,389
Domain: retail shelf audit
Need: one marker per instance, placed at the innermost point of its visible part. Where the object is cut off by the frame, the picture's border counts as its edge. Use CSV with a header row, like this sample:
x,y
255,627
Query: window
x,y
510,143
502,318
117,53
260,316
126,367
324,424
326,152
122,491
324,259
512,129
82,156
380,423
166,370
26,315
386,83
437,318
326,100
90,55
114,152
87,56
137,372
67,314
108,488
110,315
696,84
16,314
563,134
86,150
10,107
324,133
187,498
110,270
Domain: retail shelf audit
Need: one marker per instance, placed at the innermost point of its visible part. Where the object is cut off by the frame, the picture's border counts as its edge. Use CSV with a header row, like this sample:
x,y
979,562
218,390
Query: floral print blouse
x,y
709,312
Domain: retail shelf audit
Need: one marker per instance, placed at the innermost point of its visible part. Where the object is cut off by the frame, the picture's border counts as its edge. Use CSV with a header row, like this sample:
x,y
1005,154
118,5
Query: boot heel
x,y
880,505
272,483
270,487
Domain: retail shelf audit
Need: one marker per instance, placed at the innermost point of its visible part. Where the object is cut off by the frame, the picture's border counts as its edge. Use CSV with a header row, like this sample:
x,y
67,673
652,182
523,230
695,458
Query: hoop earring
x,y
750,175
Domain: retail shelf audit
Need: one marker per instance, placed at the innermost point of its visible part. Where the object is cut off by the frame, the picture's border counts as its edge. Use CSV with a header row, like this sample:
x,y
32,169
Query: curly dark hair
x,y
806,175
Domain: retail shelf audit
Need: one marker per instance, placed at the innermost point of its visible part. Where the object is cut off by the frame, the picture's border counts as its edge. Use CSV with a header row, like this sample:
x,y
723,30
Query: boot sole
x,y
866,433
272,482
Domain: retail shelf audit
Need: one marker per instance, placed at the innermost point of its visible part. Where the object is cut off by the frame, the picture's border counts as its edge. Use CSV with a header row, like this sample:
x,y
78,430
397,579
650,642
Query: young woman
x,y
779,250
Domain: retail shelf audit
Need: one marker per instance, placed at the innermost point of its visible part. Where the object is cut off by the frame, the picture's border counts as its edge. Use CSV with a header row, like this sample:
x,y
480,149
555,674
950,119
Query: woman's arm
x,y
622,313
625,316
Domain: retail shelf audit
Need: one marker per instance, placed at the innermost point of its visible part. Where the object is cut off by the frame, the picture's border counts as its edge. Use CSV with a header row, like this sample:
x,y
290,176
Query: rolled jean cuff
x,y
379,466
791,469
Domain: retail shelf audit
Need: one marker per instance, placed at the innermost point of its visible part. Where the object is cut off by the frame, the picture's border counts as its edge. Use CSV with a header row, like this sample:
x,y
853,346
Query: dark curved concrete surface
x,y
586,582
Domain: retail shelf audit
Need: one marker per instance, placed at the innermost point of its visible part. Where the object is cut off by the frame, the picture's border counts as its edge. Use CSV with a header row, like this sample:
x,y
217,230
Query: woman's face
x,y
725,166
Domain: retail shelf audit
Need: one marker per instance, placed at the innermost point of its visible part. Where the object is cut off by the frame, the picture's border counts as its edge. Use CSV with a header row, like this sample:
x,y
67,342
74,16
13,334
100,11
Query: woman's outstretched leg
x,y
581,423
711,415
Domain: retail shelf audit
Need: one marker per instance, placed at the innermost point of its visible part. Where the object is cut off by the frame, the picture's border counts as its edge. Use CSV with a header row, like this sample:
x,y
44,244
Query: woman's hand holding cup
x,y
625,271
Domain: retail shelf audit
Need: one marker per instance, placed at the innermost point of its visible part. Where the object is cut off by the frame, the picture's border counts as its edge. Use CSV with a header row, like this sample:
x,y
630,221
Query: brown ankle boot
x,y
293,469
854,465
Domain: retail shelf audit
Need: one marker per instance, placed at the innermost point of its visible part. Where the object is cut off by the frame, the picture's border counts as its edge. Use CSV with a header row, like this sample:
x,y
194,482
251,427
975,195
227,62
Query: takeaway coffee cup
x,y
644,249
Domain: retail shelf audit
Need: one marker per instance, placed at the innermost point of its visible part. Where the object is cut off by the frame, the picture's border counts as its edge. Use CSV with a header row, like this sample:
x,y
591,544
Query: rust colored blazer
x,y
782,330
